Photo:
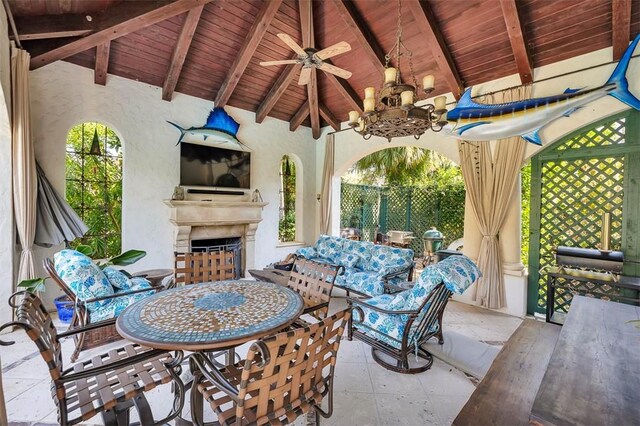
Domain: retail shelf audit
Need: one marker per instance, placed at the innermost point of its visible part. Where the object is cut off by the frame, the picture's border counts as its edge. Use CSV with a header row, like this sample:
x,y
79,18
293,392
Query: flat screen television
x,y
208,166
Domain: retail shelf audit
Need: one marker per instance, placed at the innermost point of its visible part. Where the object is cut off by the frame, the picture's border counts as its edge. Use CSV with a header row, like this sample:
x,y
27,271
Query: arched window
x,y
287,223
94,185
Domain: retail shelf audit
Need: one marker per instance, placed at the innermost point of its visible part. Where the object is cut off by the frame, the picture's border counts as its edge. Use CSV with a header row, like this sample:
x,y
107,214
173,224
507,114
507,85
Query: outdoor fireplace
x,y
202,224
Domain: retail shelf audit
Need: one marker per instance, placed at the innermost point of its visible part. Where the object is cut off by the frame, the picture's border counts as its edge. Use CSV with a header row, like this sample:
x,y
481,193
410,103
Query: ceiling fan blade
x,y
333,50
283,62
305,76
292,44
334,70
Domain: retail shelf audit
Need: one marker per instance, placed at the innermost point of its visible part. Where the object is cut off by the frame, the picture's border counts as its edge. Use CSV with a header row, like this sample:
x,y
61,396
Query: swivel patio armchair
x,y
283,377
109,384
396,326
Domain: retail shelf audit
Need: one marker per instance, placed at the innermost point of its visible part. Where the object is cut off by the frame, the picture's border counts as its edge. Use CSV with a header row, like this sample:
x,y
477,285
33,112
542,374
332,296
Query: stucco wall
x,y
64,95
7,245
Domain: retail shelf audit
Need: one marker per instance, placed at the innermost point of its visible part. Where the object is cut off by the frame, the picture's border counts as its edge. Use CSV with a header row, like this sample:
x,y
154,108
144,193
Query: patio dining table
x,y
210,316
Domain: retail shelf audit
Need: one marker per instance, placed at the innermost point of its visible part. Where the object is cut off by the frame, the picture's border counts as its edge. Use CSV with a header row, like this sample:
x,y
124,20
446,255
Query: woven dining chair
x,y
283,377
313,281
201,267
109,384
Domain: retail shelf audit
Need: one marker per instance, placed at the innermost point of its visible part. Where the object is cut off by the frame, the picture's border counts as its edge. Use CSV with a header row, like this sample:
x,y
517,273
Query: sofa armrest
x,y
398,271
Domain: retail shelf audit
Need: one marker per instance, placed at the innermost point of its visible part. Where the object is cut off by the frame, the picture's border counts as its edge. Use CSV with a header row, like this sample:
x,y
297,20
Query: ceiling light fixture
x,y
394,113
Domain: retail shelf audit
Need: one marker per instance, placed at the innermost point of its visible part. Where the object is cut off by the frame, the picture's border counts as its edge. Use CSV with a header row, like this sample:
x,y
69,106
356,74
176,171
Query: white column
x,y
510,235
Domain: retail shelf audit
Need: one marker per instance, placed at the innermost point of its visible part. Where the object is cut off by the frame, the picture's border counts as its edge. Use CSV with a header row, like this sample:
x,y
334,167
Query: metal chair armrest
x,y
89,327
398,273
351,300
69,375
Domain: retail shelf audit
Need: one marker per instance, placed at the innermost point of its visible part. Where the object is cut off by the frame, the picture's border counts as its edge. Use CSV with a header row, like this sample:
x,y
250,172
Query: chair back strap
x,y
200,267
50,268
430,310
292,369
314,282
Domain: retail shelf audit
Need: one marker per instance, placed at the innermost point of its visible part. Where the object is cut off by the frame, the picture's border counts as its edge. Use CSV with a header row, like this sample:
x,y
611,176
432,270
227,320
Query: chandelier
x,y
394,113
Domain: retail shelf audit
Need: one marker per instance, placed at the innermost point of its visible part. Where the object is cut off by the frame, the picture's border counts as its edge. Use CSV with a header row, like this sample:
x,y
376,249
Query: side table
x,y
155,276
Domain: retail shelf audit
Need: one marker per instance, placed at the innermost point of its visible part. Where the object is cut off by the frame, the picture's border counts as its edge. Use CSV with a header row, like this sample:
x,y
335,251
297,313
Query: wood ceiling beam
x,y
308,40
517,40
180,52
299,116
346,91
53,26
102,63
251,42
117,21
428,27
621,24
277,90
361,31
329,117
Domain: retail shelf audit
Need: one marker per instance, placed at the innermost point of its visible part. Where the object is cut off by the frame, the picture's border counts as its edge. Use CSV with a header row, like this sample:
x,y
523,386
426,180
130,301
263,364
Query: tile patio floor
x,y
365,393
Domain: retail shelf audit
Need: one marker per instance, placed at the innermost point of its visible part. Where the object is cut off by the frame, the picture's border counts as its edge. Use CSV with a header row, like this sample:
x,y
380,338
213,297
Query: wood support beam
x,y
308,40
299,116
276,91
517,40
621,25
428,27
53,26
180,52
102,63
361,31
329,117
120,20
346,91
251,42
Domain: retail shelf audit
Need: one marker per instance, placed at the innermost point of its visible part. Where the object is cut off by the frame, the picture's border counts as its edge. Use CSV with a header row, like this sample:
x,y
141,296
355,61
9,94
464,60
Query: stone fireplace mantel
x,y
194,220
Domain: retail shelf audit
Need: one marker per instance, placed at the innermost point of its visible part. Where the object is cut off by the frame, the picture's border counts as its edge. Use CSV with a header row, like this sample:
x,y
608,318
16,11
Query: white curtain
x,y
327,177
25,184
490,180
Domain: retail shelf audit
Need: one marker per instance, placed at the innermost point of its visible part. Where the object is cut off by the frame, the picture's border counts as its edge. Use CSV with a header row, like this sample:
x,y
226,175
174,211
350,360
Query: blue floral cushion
x,y
117,278
365,282
347,260
307,252
84,277
329,247
361,249
428,280
386,260
458,273
115,306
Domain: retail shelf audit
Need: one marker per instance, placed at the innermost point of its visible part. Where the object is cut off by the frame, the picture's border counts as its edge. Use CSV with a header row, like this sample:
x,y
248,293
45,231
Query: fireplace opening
x,y
221,244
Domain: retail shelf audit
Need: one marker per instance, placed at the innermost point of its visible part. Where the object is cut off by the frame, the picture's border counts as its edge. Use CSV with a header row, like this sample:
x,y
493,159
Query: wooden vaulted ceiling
x,y
212,49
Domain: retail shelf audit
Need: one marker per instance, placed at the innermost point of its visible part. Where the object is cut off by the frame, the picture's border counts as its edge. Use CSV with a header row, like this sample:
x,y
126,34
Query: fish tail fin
x,y
182,131
619,78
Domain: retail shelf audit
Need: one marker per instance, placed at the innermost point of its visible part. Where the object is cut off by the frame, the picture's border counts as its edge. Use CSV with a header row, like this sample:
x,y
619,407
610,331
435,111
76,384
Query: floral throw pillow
x,y
83,276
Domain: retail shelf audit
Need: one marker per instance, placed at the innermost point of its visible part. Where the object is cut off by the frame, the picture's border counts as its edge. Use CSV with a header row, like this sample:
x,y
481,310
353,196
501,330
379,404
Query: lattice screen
x,y
574,194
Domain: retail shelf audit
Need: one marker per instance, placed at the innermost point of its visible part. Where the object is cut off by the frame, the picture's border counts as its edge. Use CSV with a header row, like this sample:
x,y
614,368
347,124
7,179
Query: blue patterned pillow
x,y
386,260
84,277
307,252
117,278
348,260
329,248
428,280
361,249
458,273
399,301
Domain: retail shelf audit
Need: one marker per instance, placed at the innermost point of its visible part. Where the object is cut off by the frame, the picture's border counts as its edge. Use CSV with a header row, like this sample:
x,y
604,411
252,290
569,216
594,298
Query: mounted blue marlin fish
x,y
472,121
220,126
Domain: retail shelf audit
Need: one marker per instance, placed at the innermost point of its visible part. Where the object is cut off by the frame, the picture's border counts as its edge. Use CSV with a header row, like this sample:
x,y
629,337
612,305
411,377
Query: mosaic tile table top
x,y
210,315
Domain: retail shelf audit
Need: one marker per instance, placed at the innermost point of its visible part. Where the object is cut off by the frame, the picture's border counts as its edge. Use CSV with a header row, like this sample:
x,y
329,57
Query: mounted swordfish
x,y
482,122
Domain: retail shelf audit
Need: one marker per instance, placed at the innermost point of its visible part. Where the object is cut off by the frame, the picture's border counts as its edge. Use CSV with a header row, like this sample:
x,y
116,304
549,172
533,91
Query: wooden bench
x,y
505,396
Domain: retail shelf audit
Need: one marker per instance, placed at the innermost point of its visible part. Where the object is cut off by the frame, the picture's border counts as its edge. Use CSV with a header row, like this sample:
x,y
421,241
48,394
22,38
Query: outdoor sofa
x,y
367,266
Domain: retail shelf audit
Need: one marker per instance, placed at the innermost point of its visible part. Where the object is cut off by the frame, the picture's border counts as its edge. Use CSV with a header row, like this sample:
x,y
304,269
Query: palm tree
x,y
403,165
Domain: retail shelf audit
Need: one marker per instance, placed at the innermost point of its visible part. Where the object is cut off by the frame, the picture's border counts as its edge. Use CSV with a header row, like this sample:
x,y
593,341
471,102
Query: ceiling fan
x,y
313,58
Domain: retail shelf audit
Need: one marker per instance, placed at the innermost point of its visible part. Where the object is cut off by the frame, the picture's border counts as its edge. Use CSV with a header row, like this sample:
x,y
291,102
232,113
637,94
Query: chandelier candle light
x,y
394,113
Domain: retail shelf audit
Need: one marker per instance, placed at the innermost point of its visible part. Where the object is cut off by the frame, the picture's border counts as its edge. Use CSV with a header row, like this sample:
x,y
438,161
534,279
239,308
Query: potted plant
x,y
65,306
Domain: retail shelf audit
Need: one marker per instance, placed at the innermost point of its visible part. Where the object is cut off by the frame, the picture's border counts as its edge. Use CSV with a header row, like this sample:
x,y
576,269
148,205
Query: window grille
x,y
94,185
287,222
